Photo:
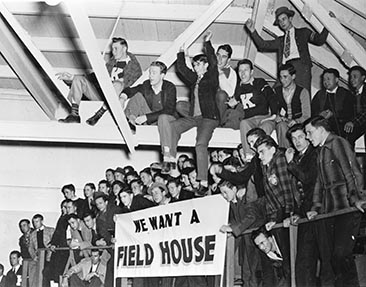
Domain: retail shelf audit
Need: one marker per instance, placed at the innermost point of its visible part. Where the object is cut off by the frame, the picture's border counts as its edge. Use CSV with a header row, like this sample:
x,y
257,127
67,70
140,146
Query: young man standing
x,y
293,103
204,113
124,70
293,47
337,164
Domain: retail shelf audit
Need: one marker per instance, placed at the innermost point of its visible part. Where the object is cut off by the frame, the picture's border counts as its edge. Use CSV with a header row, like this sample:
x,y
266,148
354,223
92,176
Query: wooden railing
x,y
228,278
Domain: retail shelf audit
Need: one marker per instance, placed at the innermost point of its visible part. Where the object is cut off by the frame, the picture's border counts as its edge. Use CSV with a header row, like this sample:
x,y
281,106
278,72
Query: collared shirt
x,y
228,83
332,91
294,51
41,228
16,268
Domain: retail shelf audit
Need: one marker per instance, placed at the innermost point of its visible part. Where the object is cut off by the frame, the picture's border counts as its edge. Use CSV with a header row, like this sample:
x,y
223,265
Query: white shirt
x,y
228,84
294,51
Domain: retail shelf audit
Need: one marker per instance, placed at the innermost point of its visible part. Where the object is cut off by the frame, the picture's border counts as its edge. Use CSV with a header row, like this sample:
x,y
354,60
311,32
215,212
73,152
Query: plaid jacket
x,y
279,185
360,118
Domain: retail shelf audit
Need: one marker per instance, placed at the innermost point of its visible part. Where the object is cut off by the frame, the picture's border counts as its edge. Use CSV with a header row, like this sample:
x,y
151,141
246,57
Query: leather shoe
x,y
70,119
93,120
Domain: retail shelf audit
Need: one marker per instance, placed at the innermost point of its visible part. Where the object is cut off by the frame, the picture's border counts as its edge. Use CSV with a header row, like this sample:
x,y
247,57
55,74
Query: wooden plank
x,y
191,33
27,41
86,34
136,10
339,39
25,69
358,7
258,16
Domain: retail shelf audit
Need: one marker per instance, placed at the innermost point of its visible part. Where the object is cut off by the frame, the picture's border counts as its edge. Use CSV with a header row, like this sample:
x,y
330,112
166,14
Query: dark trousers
x,y
313,245
191,281
356,134
75,281
342,231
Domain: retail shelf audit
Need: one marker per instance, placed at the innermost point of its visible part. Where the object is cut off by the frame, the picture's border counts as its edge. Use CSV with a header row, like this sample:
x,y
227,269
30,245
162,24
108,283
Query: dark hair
x,y
188,170
161,65
246,62
357,68
226,183
226,151
91,214
128,168
267,140
333,71
38,216
183,156
120,40
138,180
256,132
1,267
146,170
110,169
240,146
69,187
260,230
318,121
294,128
132,173
191,162
227,48
287,67
63,202
91,185
23,220
96,250
119,183
69,200
15,252
176,181
72,216
200,58
161,175
101,195
104,181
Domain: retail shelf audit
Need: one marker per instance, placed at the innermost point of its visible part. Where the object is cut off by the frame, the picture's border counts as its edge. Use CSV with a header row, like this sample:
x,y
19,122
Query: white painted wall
x,y
31,177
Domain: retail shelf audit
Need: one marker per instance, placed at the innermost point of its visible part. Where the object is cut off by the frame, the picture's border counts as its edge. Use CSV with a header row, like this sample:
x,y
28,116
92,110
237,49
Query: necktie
x,y
226,71
358,103
286,51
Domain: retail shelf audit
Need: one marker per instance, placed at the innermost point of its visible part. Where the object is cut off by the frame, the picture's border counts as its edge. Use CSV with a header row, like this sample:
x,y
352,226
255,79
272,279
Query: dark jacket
x,y
304,169
208,85
106,217
339,181
342,110
303,36
244,215
253,168
295,102
168,98
262,98
11,278
138,202
183,195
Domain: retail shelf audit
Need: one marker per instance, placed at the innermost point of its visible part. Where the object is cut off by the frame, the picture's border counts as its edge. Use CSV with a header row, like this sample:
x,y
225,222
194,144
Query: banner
x,y
176,239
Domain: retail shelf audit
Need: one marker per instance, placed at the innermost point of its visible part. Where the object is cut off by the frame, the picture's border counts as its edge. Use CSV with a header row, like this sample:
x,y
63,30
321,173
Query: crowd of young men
x,y
310,170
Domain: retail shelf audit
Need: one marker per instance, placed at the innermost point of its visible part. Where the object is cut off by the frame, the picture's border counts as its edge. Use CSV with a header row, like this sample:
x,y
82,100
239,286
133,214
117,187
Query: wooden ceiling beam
x,y
348,49
87,36
34,51
194,30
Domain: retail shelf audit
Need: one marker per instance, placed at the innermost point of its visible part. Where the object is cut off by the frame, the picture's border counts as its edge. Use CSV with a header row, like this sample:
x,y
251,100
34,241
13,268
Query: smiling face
x,y
356,79
126,198
173,189
245,73
330,81
158,195
200,67
286,78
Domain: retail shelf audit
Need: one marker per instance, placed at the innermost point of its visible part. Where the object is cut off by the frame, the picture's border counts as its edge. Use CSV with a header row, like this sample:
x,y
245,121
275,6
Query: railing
x,y
228,277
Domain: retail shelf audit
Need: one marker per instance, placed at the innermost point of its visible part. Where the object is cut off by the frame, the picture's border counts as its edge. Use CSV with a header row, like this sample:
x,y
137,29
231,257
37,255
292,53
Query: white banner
x,y
176,239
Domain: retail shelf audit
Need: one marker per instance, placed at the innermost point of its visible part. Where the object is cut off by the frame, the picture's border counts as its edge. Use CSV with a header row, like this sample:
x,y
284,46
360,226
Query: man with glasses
x,y
124,70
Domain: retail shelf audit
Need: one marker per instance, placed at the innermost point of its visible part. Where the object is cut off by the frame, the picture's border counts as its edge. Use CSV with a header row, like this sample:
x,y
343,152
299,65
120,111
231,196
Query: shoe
x,y
132,127
202,190
93,120
70,119
166,167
